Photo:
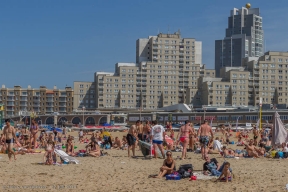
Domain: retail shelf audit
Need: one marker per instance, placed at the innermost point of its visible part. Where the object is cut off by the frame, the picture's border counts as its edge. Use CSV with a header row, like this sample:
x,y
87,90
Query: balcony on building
x,y
49,100
23,98
23,103
49,95
10,103
62,100
10,98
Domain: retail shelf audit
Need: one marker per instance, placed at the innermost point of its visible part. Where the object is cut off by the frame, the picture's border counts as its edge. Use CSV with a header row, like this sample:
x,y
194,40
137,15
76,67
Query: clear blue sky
x,y
57,42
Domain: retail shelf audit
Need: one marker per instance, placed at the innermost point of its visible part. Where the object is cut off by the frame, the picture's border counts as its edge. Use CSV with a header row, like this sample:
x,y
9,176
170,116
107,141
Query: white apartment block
x,y
39,100
166,72
268,78
84,95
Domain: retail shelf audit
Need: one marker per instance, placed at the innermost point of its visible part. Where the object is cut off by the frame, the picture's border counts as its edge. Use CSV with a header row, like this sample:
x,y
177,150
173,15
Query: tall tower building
x,y
244,38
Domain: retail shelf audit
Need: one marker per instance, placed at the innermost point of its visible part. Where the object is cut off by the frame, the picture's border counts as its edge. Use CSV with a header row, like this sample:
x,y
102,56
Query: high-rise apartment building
x,y
40,100
166,72
84,95
265,76
243,38
268,78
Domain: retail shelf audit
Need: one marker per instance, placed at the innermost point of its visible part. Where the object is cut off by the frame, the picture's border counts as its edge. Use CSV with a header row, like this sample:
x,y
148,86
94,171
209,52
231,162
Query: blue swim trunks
x,y
204,140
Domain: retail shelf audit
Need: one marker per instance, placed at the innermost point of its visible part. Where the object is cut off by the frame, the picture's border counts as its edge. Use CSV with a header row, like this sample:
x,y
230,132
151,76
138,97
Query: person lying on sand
x,y
168,167
230,153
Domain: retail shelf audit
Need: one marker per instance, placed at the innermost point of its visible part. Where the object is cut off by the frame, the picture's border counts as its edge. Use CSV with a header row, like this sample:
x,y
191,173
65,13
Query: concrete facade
x,y
244,38
40,100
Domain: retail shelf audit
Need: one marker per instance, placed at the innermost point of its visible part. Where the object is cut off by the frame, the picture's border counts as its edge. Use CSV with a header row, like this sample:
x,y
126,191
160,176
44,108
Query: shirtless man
x,y
255,134
184,137
203,132
250,148
117,143
192,138
146,131
9,137
131,140
139,128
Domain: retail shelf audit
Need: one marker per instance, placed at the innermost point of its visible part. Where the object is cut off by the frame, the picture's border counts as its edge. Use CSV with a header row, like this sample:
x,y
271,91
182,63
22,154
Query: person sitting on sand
x,y
261,150
48,156
168,167
217,145
70,148
209,161
250,148
285,147
210,148
94,149
225,172
117,143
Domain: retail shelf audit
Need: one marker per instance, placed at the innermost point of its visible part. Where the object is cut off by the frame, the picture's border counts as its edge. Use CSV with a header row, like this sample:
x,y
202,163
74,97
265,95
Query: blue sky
x,y
57,42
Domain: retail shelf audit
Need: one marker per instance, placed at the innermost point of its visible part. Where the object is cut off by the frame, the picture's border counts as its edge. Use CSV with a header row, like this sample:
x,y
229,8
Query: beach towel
x,y
201,176
279,133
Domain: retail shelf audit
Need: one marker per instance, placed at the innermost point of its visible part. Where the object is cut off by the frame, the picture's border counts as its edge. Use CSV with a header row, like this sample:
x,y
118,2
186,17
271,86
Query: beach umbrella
x,y
279,133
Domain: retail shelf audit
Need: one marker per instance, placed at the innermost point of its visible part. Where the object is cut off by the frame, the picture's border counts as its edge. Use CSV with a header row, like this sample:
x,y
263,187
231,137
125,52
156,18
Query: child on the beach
x,y
225,172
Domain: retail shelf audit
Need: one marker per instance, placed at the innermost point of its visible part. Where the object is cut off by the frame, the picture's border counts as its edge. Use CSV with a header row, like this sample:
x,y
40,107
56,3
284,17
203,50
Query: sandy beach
x,y
117,172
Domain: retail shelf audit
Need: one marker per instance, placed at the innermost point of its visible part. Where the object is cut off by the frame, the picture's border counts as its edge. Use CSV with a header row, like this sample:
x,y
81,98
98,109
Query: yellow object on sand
x,y
105,133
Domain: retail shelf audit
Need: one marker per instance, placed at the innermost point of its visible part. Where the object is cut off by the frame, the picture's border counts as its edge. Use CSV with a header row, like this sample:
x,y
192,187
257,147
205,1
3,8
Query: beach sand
x,y
117,172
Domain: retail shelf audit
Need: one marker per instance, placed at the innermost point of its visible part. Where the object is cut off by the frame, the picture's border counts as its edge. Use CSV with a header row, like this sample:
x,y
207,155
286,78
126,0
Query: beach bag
x,y
186,171
173,176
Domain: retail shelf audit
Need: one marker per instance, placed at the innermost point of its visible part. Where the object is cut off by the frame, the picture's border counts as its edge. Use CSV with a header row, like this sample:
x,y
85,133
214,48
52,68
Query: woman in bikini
x,y
70,148
94,150
184,137
48,156
34,130
168,167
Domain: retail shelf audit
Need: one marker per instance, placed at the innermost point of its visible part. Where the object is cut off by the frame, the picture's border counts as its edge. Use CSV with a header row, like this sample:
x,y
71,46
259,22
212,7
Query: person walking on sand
x,y
9,137
157,137
184,137
131,140
204,132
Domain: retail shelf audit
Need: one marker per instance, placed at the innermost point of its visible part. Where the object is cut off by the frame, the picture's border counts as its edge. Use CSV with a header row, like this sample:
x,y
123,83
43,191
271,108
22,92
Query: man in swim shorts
x,y
10,138
131,140
157,137
205,131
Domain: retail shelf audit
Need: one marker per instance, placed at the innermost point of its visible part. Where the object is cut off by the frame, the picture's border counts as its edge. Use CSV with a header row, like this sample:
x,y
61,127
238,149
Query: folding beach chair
x,y
64,156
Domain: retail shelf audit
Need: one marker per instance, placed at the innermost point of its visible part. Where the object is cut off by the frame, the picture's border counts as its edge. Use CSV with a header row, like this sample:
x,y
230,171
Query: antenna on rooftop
x,y
168,29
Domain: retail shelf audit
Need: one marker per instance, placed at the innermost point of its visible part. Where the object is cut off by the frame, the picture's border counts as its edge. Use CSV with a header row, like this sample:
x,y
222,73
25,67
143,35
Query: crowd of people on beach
x,y
188,139
203,142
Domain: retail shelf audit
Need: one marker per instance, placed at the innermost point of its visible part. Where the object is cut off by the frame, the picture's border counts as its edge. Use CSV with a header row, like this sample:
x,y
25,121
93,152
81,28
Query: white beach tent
x,y
279,133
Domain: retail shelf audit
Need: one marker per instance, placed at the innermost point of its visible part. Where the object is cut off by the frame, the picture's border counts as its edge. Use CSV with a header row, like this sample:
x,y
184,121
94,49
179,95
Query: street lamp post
x,y
83,108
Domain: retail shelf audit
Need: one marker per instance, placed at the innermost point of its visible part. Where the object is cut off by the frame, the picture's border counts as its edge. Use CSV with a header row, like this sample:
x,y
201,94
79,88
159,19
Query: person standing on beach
x,y
184,137
157,137
255,135
9,137
139,127
146,131
131,140
34,133
204,133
